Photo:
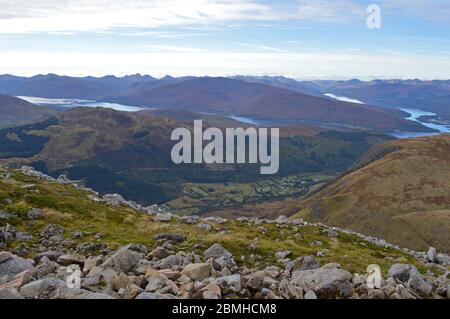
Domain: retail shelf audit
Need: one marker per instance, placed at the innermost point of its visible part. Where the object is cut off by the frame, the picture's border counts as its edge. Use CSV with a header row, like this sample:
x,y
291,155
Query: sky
x,y
302,39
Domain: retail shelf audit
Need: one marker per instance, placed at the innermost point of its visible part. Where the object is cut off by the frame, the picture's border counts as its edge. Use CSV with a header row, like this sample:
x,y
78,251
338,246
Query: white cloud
x,y
435,10
261,47
330,10
158,34
170,48
25,16
22,16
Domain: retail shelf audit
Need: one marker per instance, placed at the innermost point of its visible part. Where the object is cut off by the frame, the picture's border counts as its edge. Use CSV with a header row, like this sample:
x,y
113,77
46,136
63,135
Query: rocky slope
x,y
399,191
54,230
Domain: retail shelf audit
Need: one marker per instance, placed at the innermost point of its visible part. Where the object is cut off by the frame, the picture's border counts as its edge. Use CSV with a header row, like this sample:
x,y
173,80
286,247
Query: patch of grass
x,y
120,226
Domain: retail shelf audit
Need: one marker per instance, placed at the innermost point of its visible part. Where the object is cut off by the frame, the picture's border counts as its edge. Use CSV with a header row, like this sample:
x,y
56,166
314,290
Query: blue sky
x,y
300,39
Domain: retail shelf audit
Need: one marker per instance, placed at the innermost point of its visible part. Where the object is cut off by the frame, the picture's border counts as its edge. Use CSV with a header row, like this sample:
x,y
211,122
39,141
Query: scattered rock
x,y
23,236
124,260
197,271
10,293
287,290
159,253
326,282
282,220
302,263
130,292
148,295
417,284
11,265
91,262
317,243
256,281
163,217
310,295
332,233
230,284
211,291
215,220
18,281
375,294
171,237
204,226
78,234
86,248
282,254
222,257
34,213
191,219
402,272
114,199
156,282
71,259
52,230
432,255
46,288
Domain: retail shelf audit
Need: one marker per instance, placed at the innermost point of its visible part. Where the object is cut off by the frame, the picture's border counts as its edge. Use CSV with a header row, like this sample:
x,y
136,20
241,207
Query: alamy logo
x,y
374,277
374,19
73,281
233,150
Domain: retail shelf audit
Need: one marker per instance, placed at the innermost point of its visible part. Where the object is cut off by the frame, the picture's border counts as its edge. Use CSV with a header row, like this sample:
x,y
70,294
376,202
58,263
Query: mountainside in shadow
x,y
15,111
399,191
54,86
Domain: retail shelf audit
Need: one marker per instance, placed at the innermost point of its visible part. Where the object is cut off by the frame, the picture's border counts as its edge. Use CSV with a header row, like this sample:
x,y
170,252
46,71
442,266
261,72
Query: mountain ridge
x,y
400,195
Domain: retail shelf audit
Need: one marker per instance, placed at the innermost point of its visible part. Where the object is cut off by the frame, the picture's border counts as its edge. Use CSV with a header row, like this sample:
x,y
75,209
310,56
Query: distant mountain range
x,y
399,191
275,99
264,102
90,88
432,96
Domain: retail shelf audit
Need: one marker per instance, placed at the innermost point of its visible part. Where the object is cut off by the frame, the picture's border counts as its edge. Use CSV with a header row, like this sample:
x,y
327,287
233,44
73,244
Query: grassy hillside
x,y
71,208
129,153
14,111
399,191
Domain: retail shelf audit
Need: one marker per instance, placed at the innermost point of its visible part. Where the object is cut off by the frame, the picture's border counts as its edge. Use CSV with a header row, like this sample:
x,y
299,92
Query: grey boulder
x,y
11,265
327,282
402,272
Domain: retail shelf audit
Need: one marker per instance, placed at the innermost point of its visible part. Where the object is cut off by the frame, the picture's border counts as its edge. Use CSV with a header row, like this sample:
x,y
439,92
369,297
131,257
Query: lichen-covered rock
x,y
302,263
402,272
123,260
10,293
417,284
326,282
221,256
11,265
197,272
52,230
